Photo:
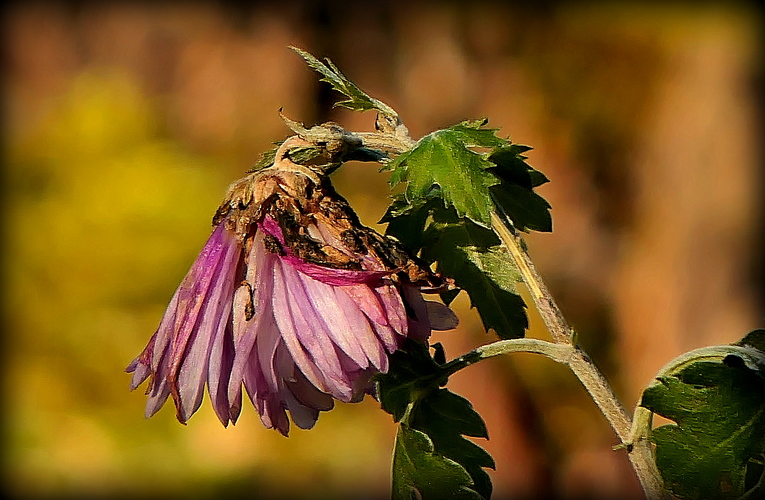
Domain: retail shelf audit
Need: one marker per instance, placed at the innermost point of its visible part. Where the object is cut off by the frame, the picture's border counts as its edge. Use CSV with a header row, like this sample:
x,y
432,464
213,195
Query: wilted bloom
x,y
291,297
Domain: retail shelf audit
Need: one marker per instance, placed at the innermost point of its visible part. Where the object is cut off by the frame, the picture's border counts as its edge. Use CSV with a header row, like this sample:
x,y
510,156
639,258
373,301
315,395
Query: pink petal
x,y
368,302
394,307
332,276
214,316
388,337
362,330
288,330
309,329
323,298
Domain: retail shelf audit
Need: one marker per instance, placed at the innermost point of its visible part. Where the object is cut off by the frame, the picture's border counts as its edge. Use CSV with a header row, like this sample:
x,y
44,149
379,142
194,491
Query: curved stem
x,y
394,138
640,453
557,352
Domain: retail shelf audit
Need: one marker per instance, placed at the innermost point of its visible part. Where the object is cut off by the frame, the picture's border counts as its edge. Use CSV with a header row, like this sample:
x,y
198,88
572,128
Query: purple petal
x,y
221,362
332,276
269,405
288,330
362,330
213,318
305,392
394,307
165,331
270,226
303,416
159,389
322,297
188,302
419,326
158,395
307,327
140,367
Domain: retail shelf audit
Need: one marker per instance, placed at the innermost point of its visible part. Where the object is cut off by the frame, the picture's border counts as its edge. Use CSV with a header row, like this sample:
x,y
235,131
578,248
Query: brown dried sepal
x,y
297,197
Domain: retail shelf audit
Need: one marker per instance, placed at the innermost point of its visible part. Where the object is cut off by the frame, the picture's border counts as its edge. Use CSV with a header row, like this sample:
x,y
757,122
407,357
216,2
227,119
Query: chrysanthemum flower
x,y
291,298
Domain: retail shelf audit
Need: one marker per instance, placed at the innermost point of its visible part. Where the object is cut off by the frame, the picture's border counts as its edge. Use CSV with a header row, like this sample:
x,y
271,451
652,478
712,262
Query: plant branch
x,y
640,453
393,138
557,352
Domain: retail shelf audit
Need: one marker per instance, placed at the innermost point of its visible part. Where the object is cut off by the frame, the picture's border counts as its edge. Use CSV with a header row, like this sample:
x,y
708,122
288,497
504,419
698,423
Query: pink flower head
x,y
292,298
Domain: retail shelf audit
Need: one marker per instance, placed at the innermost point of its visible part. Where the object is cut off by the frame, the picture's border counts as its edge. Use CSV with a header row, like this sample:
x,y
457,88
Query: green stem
x,y
394,138
557,352
640,453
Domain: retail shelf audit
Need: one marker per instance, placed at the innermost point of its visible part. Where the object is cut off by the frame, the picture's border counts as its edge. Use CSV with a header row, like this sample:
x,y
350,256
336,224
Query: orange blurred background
x,y
125,122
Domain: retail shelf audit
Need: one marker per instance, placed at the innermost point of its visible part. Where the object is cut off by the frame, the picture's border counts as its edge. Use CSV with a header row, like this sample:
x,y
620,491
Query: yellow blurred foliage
x,y
105,216
125,122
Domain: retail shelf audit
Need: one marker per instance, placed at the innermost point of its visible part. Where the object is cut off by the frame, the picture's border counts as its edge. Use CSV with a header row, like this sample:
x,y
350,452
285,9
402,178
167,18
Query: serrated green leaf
x,y
443,159
523,206
433,426
407,223
472,134
421,473
515,195
410,377
511,166
357,100
468,253
446,418
716,446
483,268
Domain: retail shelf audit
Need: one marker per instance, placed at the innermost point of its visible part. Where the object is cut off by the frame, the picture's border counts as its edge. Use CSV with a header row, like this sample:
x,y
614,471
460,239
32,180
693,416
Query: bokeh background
x,y
123,124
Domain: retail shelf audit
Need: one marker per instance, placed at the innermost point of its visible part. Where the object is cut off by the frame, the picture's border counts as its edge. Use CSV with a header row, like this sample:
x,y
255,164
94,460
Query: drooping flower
x,y
292,298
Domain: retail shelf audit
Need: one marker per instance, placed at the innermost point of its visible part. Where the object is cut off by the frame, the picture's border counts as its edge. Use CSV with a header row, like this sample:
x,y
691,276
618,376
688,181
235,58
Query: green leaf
x,y
446,418
754,339
419,472
432,458
472,134
515,195
412,374
716,447
474,258
523,206
266,159
511,166
407,223
357,100
470,254
443,160
443,165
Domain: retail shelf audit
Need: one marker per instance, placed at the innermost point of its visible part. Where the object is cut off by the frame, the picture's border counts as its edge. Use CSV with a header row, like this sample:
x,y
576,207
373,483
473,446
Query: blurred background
x,y
124,122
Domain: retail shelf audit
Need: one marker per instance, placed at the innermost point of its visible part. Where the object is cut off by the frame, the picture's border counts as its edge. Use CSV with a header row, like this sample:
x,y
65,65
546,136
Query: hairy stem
x,y
557,352
640,453
393,137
